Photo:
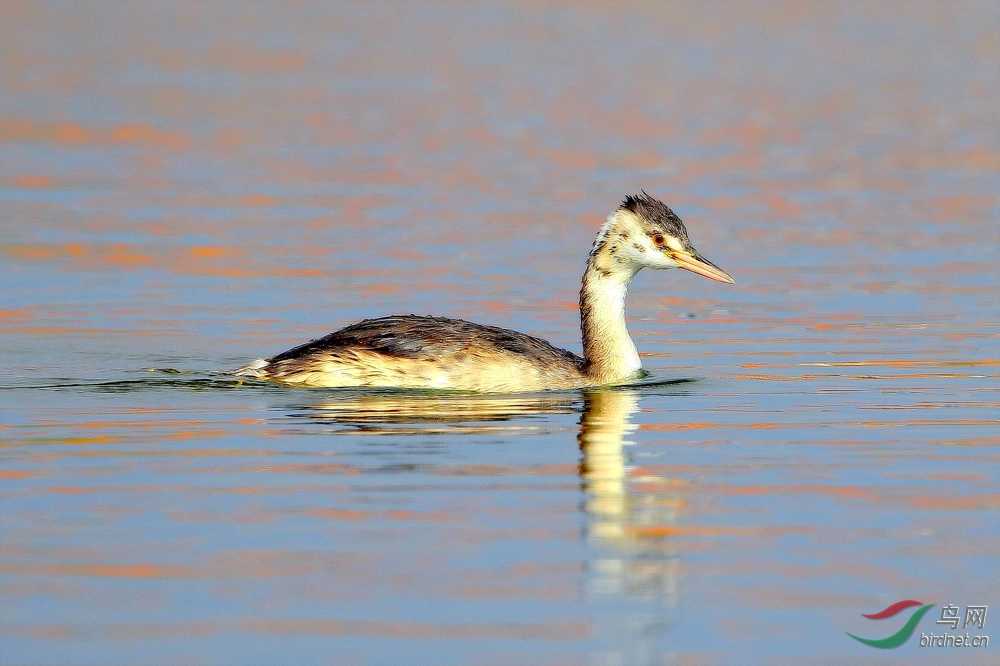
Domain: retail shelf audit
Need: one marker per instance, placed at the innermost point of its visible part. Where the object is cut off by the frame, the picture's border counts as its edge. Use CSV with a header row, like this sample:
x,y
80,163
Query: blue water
x,y
187,187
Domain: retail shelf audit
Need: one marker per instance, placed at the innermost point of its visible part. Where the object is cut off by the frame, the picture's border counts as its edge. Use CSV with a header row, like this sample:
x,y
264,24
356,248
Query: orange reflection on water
x,y
76,133
562,631
190,187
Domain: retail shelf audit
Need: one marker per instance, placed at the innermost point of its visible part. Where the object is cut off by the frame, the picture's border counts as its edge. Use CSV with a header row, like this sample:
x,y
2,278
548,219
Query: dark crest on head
x,y
656,213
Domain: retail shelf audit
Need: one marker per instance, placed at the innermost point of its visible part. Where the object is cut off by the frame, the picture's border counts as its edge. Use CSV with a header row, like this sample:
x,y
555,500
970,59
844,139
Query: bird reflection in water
x,y
630,510
401,413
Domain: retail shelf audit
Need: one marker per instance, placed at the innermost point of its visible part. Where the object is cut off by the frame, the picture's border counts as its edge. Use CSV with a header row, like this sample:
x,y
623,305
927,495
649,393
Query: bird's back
x,y
426,352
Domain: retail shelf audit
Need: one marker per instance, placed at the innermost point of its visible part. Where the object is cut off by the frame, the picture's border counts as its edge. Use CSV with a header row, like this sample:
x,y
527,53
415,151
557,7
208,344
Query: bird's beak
x,y
696,263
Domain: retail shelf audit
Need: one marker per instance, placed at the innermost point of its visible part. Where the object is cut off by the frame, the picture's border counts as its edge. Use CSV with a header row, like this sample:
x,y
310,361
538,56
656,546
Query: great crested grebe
x,y
408,351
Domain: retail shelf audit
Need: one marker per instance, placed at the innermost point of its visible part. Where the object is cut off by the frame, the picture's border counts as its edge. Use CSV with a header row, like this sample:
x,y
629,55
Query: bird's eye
x,y
658,239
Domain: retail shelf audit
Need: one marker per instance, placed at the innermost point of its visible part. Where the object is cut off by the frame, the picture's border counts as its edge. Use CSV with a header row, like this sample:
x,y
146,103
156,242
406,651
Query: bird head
x,y
644,233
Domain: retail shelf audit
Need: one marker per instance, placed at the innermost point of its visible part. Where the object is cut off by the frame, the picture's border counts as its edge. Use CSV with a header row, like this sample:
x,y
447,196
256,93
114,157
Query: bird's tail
x,y
253,369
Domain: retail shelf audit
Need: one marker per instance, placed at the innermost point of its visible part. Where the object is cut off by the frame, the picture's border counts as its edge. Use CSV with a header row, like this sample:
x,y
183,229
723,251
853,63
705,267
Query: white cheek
x,y
656,258
664,261
637,255
643,256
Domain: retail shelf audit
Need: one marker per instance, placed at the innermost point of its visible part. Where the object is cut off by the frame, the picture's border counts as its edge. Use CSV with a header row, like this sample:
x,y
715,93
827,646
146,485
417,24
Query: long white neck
x,y
608,349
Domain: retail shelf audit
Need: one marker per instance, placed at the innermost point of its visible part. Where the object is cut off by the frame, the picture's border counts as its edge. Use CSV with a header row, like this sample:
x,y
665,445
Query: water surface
x,y
185,187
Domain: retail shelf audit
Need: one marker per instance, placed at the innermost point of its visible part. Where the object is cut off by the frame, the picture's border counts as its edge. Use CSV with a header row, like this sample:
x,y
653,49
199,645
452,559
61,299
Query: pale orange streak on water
x,y
260,200
714,530
33,182
985,501
883,497
395,514
185,453
903,363
60,132
64,331
535,630
101,570
16,474
944,476
337,514
500,470
143,133
145,424
559,631
810,377
76,133
420,516
773,426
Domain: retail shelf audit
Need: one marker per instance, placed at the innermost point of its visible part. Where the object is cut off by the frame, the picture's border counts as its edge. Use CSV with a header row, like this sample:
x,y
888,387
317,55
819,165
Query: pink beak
x,y
701,266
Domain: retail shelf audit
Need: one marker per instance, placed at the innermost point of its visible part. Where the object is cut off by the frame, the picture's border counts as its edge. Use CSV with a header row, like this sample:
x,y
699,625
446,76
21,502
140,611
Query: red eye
x,y
658,239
